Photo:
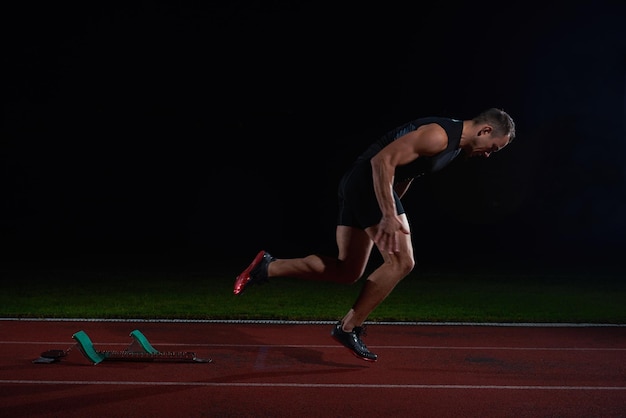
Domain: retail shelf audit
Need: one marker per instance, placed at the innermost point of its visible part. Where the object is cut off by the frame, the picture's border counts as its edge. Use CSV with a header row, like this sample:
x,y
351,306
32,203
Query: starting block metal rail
x,y
140,349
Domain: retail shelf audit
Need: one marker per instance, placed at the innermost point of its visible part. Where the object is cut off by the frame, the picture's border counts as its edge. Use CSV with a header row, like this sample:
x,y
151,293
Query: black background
x,y
205,131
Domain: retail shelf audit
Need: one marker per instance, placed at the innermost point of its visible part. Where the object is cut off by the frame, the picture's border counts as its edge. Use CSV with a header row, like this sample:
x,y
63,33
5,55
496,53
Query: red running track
x,y
297,370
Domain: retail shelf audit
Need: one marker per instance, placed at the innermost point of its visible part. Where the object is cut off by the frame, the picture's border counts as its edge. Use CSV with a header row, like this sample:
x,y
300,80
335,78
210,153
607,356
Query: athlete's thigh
x,y
355,247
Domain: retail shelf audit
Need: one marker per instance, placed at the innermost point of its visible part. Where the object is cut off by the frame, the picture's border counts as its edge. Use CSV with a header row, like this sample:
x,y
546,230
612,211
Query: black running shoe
x,y
352,341
256,273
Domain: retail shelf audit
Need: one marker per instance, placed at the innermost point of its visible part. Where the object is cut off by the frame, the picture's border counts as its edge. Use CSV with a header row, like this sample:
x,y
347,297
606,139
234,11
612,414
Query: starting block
x,y
140,349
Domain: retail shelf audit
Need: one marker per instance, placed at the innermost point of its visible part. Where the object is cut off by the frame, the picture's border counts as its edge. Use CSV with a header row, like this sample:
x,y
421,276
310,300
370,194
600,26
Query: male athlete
x,y
371,212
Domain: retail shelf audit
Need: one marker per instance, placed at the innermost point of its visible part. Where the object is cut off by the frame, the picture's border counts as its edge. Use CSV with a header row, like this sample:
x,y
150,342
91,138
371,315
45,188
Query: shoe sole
x,y
244,277
354,352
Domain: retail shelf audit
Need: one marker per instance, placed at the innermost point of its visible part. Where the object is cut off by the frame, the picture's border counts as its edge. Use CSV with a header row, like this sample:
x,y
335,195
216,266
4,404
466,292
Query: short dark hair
x,y
501,121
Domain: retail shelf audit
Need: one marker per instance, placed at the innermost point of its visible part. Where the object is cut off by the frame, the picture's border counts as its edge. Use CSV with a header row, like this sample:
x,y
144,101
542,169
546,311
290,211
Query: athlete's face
x,y
486,143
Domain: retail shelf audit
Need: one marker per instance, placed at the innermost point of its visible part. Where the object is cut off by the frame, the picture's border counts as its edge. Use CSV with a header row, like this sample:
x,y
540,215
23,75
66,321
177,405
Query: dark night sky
x,y
159,129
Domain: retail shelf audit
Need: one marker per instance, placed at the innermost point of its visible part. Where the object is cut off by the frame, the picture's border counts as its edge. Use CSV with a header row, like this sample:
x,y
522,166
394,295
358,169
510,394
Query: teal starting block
x,y
139,350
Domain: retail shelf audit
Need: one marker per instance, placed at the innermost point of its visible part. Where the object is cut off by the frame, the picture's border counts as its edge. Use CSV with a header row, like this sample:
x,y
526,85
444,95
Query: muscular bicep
x,y
427,140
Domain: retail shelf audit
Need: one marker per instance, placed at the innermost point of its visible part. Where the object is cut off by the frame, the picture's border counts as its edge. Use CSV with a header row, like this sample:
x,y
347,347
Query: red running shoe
x,y
256,273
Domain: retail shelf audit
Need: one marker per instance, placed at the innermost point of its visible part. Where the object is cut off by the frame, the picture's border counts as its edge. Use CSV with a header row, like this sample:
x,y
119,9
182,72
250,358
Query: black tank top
x,y
421,165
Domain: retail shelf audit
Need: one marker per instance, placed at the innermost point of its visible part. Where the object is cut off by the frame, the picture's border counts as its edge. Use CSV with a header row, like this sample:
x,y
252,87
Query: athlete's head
x,y
501,122
489,132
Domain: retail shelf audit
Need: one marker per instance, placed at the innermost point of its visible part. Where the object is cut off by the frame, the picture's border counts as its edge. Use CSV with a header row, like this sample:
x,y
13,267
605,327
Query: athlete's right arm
x,y
426,140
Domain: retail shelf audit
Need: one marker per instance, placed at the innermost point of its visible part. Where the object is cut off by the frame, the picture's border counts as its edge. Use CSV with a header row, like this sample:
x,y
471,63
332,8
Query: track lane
x,y
287,370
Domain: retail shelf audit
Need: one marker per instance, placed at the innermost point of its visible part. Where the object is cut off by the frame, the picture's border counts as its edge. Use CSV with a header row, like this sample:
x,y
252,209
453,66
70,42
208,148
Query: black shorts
x,y
358,206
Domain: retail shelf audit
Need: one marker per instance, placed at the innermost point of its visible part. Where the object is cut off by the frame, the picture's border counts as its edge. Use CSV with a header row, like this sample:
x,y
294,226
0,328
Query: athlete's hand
x,y
386,237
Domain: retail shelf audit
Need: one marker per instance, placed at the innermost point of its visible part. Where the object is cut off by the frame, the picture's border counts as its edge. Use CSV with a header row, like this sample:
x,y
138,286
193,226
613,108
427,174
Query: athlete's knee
x,y
404,266
349,273
350,276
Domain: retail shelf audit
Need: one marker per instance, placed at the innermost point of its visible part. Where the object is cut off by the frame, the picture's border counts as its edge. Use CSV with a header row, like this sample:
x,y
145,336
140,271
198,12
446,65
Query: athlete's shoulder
x,y
431,138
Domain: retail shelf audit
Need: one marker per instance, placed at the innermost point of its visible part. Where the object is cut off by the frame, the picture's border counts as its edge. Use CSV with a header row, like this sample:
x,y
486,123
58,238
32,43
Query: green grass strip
x,y
423,296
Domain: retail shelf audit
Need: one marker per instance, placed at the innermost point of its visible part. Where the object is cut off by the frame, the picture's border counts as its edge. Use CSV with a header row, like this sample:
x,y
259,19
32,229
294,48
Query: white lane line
x,y
308,385
385,347
409,347
286,322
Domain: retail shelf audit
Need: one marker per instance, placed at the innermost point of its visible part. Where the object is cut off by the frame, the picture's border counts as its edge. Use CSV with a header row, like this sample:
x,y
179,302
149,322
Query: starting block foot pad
x,y
143,342
86,347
